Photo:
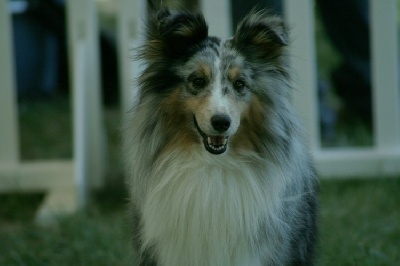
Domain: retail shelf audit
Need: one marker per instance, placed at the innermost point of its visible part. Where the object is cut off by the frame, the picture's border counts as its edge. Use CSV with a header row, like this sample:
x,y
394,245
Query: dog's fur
x,y
199,201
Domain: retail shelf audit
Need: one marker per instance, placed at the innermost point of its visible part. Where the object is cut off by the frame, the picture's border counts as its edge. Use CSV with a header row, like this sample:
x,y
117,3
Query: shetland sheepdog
x,y
218,170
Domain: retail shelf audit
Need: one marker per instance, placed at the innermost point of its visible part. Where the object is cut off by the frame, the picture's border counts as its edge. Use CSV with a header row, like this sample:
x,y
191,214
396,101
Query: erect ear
x,y
173,34
261,36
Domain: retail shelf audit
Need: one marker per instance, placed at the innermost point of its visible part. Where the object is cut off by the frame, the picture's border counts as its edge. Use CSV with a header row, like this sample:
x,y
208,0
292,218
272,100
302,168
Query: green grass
x,y
97,236
45,129
359,222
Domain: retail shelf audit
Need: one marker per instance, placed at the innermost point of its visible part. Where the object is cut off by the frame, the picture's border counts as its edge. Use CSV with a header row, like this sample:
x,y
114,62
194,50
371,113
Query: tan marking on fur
x,y
261,38
205,70
251,127
153,49
177,123
234,73
195,103
186,31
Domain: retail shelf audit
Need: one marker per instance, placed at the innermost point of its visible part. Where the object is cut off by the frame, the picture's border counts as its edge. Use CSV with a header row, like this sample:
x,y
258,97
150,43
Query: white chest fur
x,y
207,210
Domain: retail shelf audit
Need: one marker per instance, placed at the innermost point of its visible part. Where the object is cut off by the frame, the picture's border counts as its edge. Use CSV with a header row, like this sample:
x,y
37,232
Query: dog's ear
x,y
261,36
173,34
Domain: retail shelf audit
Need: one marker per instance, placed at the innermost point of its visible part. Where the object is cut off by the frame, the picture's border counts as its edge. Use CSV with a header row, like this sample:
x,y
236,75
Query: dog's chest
x,y
201,214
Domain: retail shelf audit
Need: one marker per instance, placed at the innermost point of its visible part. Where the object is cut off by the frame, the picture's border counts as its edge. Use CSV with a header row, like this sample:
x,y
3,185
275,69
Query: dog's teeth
x,y
209,140
224,142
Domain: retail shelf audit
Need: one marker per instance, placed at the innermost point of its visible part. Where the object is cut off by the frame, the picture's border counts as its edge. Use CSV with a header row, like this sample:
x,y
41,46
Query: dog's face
x,y
216,91
213,84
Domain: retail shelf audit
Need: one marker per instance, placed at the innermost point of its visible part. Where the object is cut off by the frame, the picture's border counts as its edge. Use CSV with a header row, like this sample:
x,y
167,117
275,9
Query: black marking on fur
x,y
261,37
214,42
159,79
173,35
172,38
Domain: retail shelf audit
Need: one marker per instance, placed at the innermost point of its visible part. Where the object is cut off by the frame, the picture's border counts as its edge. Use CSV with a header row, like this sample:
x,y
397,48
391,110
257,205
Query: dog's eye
x,y
239,85
199,82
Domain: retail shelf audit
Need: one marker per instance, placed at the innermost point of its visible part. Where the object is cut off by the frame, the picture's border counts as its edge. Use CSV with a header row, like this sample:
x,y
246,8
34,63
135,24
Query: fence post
x,y
385,74
89,138
131,16
9,137
300,15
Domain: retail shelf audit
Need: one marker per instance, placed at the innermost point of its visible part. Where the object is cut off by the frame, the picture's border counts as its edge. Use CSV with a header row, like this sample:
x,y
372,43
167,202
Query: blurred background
x,y
360,217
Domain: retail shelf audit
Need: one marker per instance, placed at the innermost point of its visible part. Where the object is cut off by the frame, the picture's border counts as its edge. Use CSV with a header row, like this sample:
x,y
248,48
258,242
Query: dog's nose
x,y
220,123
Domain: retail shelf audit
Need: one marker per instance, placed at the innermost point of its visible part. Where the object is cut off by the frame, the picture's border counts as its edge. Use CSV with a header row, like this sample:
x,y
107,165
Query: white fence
x,y
55,176
67,181
383,159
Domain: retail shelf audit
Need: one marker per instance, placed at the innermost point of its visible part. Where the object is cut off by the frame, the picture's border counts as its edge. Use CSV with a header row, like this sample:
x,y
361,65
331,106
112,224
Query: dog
x,y
217,166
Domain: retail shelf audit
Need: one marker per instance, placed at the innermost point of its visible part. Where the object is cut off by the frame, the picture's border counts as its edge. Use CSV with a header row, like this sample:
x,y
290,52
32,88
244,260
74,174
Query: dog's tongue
x,y
217,140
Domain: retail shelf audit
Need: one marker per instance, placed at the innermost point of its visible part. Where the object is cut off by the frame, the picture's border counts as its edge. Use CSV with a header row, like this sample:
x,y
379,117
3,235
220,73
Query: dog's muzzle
x,y
215,144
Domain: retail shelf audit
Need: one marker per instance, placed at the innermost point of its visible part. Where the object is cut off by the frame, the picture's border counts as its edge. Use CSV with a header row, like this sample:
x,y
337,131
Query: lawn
x,y
360,222
359,219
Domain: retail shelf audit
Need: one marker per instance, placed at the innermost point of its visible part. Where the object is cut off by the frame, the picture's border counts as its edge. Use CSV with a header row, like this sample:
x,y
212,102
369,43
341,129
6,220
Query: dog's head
x,y
212,87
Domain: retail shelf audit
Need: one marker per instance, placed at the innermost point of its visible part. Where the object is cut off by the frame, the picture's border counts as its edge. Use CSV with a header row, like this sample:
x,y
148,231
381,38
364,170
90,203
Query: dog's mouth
x,y
213,144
